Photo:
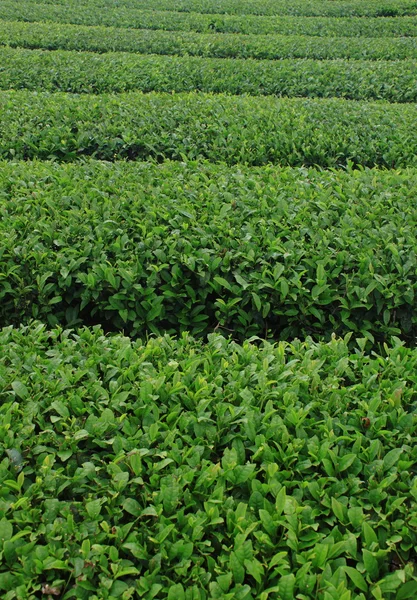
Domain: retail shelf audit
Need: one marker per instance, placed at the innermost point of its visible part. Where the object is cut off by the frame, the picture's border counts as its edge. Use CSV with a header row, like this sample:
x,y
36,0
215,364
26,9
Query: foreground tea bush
x,y
53,36
175,470
199,247
254,131
120,16
79,72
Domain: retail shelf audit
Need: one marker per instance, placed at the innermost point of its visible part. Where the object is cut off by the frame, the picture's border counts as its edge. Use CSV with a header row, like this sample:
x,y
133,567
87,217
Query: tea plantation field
x,y
208,283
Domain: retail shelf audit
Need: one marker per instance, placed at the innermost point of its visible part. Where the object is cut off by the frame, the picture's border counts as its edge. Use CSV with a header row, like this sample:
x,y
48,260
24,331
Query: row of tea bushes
x,y
233,129
309,8
141,247
79,72
119,16
53,36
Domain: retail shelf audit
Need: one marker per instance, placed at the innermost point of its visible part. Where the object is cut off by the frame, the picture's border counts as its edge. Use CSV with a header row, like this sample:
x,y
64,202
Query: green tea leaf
x,y
356,578
346,461
286,586
236,568
371,564
355,516
176,592
391,458
20,389
93,508
6,530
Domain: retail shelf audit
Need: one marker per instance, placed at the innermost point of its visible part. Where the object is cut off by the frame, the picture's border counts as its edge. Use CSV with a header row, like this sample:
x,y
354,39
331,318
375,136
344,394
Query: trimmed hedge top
x,y
251,130
119,16
53,36
311,8
85,72
196,247
184,471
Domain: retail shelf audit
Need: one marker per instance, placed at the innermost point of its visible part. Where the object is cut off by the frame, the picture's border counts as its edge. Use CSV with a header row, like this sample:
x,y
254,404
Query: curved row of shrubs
x,y
310,8
198,247
78,72
119,16
52,36
231,129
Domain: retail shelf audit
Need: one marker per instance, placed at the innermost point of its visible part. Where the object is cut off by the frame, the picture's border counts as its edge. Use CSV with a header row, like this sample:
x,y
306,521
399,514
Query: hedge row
x,y
309,8
200,247
251,130
181,471
88,73
52,36
168,20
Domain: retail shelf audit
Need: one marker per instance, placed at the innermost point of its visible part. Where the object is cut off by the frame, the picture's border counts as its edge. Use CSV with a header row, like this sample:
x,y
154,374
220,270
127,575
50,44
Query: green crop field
x,y
208,300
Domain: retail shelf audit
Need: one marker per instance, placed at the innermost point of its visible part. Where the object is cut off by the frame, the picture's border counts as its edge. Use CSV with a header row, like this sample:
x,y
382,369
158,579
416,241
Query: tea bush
x,y
79,72
197,247
53,36
186,471
311,8
249,130
120,16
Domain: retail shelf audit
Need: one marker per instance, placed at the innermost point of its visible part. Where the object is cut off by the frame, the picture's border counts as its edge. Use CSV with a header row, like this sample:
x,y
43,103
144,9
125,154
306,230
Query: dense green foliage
x,y
248,130
53,36
171,469
117,72
175,247
86,14
276,201
311,8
